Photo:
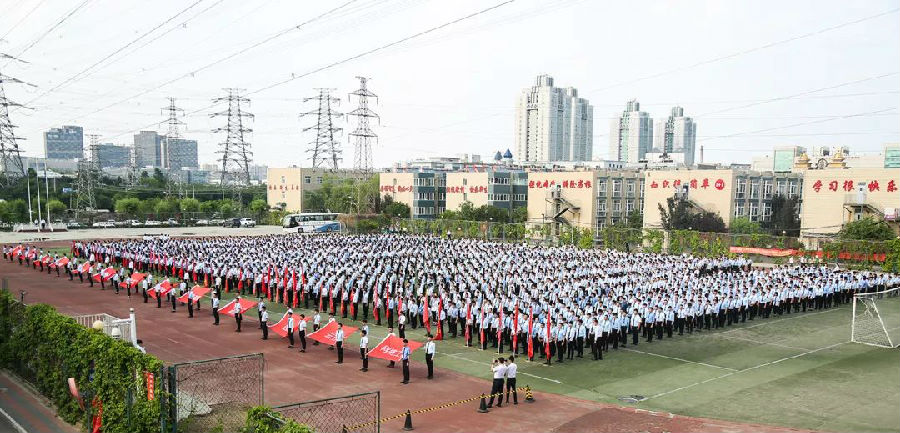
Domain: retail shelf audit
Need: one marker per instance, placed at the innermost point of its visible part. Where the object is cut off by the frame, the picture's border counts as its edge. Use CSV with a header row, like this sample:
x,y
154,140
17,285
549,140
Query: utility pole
x,y
172,137
325,150
235,151
10,155
363,135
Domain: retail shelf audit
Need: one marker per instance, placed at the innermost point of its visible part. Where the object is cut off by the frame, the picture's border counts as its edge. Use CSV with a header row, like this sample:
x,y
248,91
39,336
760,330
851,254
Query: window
x,y
498,197
629,189
425,196
520,197
617,207
308,179
740,190
754,211
282,179
319,179
767,189
602,206
465,181
617,188
767,211
754,189
601,188
739,209
793,192
629,206
465,196
499,180
781,187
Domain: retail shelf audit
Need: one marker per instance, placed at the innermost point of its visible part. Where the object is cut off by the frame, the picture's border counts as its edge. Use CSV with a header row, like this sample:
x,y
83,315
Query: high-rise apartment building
x,y
676,137
553,124
66,142
630,135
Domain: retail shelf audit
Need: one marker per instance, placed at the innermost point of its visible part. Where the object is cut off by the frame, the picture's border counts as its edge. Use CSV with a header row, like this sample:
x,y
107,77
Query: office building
x,y
151,150
66,142
553,124
631,135
111,155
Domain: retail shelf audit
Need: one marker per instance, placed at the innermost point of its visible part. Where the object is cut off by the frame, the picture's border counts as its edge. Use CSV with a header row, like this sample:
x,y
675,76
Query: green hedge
x,y
46,348
262,419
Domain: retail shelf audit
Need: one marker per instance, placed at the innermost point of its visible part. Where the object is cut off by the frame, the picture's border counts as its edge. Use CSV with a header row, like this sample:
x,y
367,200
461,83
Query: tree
x,y
259,207
190,205
785,218
166,207
743,226
226,208
128,206
395,209
678,216
209,207
867,229
56,207
634,220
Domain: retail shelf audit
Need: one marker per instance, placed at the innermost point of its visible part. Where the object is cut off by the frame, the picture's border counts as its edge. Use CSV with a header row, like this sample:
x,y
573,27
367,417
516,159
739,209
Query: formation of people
x,y
545,303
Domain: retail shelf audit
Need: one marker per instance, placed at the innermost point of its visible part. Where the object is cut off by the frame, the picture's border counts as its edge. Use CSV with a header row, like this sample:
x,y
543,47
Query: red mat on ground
x,y
246,304
391,348
326,335
198,293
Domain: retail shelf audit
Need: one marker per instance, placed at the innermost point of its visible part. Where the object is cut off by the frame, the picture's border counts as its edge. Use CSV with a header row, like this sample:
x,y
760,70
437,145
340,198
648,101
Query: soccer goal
x,y
876,318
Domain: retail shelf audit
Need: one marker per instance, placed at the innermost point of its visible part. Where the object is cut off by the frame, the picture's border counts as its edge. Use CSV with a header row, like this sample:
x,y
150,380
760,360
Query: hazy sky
x,y
753,74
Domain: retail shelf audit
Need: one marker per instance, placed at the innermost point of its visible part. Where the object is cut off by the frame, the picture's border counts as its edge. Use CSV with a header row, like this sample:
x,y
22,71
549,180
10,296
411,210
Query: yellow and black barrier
x,y
408,414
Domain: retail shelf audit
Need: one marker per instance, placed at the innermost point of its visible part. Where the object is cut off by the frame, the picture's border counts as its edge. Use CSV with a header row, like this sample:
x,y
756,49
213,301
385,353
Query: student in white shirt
x,y
264,323
429,356
511,369
236,310
363,346
215,308
339,343
301,332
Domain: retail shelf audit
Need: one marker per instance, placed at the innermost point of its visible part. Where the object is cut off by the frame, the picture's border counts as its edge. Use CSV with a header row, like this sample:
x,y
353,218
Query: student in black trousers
x,y
404,357
363,345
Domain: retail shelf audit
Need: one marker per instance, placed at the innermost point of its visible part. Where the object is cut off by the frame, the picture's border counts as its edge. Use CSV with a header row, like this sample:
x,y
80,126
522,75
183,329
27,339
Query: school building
x,y
285,187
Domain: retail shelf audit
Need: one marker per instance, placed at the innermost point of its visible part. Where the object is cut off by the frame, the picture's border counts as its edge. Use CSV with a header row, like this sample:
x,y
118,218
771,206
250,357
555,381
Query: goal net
x,y
876,318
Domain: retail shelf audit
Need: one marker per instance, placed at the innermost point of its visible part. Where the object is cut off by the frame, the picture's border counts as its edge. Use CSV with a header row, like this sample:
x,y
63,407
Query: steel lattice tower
x,y
10,155
363,135
325,150
88,175
236,153
172,134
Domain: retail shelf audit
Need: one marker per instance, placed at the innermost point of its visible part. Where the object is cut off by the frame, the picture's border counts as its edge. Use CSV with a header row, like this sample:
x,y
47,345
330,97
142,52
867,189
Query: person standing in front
x,y
429,356
301,332
498,367
511,369
264,323
215,308
237,313
339,343
404,358
363,345
290,328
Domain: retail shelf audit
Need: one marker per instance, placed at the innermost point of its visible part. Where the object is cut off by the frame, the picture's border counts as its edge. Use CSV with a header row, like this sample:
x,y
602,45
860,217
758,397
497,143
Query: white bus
x,y
311,222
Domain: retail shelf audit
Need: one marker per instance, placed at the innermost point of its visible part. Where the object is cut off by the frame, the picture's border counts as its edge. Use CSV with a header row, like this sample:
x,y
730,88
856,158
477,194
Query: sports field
x,y
797,370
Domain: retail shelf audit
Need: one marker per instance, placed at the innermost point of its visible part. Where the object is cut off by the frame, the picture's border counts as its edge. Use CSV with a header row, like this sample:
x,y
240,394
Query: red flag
x,y
241,279
327,334
284,278
440,333
468,321
330,300
321,297
530,338
296,292
515,336
500,329
352,304
426,316
105,274
481,327
136,278
547,340
61,262
391,348
205,280
376,314
341,300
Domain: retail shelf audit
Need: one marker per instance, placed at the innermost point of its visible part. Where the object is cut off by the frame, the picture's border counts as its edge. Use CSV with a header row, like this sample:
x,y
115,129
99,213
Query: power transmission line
x,y
54,26
173,137
235,151
10,155
325,149
21,20
363,135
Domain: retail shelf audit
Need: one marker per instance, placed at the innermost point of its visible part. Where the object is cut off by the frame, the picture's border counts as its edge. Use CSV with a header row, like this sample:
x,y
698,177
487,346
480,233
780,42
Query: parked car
x,y
247,222
104,224
216,222
171,222
73,225
231,222
202,222
132,223
152,223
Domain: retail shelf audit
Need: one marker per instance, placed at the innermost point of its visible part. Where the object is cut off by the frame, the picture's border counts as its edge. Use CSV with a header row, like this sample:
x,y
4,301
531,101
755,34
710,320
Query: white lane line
x,y
457,356
679,359
784,346
769,322
809,352
15,425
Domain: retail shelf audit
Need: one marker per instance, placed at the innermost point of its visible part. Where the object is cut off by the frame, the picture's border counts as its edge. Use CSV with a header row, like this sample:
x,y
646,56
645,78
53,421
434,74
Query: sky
x,y
754,75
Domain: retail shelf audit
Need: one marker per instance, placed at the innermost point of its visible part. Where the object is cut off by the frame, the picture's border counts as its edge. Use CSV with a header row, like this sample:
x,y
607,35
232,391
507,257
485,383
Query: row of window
x,y
427,210
617,206
783,187
429,181
430,196
617,187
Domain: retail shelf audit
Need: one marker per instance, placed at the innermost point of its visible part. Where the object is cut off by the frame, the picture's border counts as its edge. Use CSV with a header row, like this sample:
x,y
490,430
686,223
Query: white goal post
x,y
876,318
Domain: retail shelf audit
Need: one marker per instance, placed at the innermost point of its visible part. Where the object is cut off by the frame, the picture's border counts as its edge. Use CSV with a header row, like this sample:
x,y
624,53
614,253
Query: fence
x,y
214,393
334,415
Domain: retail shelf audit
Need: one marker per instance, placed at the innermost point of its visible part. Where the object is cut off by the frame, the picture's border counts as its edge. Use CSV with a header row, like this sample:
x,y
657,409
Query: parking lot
x,y
127,232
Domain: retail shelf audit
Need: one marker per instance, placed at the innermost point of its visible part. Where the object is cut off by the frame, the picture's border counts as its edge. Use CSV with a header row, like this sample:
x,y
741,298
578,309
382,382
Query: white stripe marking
x,y
15,425
456,355
680,359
